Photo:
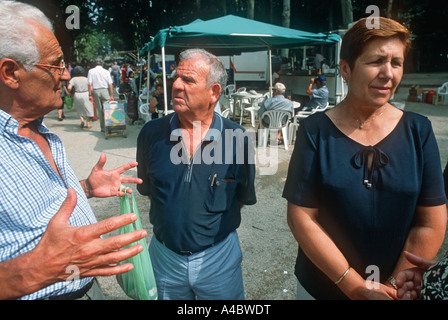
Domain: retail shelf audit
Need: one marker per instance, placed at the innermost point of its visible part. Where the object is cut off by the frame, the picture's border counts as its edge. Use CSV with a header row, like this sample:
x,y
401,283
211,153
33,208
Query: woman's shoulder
x,y
416,121
315,120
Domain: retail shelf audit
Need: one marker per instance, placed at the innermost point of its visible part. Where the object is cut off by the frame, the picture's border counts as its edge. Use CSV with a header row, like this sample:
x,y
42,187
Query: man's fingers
x,y
107,271
120,241
131,180
126,167
111,224
108,265
101,162
419,261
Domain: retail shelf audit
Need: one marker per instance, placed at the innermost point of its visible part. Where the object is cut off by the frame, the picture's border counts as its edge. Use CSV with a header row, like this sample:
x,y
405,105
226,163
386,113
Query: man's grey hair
x,y
16,38
217,73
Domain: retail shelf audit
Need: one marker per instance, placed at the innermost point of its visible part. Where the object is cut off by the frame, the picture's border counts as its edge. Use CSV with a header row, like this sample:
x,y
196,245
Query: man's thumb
x,y
67,207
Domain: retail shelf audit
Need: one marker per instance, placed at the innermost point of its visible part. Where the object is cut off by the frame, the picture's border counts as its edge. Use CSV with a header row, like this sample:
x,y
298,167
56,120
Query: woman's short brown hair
x,y
357,37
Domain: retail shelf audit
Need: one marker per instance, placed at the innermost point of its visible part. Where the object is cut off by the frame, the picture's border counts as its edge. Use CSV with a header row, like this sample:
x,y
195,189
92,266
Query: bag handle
x,y
133,208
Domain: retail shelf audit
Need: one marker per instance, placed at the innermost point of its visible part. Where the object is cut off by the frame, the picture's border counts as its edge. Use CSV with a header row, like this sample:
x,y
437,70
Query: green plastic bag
x,y
139,283
68,101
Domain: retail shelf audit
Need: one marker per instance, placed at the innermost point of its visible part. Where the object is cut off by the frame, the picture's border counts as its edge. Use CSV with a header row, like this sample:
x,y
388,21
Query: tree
x,y
347,12
250,9
389,9
286,21
129,24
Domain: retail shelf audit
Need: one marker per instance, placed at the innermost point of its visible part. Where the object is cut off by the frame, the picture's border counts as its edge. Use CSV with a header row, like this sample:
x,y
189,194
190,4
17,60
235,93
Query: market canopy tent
x,y
231,35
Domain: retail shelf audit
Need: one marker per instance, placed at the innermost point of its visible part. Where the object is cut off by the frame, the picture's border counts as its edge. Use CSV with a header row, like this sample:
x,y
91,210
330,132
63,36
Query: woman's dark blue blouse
x,y
367,212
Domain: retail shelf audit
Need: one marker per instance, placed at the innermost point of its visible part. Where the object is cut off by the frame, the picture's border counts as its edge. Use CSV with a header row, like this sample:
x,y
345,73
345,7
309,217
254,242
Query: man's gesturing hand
x,y
63,245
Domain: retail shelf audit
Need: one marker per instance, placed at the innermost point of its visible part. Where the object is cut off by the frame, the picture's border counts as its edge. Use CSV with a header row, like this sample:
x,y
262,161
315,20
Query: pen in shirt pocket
x,y
213,180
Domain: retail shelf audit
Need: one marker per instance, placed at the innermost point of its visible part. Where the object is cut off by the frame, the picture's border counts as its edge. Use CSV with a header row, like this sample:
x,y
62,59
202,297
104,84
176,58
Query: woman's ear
x,y
9,73
345,69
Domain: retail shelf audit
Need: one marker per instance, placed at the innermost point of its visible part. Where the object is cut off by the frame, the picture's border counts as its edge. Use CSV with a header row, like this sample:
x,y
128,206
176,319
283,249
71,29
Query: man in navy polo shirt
x,y
198,169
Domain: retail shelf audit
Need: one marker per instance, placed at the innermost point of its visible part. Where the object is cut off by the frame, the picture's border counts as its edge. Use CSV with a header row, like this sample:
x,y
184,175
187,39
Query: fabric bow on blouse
x,y
378,160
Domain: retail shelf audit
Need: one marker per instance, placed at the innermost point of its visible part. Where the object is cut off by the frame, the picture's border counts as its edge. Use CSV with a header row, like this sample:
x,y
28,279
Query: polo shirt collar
x,y
216,125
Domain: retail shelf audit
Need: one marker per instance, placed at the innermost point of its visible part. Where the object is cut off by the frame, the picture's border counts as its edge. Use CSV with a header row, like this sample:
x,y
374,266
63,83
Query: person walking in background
x,y
81,99
196,197
116,72
64,93
100,88
364,182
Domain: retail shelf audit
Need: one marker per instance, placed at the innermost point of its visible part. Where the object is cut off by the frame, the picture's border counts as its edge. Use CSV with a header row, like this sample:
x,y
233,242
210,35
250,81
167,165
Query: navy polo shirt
x,y
195,202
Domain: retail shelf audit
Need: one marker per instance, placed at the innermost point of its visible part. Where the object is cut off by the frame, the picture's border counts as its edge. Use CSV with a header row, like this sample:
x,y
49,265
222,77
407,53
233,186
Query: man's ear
x,y
215,92
9,73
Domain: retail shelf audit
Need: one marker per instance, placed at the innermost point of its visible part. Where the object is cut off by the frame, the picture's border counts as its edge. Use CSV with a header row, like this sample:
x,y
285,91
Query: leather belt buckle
x,y
185,253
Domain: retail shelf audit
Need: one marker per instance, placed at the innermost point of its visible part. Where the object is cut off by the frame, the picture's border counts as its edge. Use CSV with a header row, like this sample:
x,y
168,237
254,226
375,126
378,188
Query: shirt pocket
x,y
221,194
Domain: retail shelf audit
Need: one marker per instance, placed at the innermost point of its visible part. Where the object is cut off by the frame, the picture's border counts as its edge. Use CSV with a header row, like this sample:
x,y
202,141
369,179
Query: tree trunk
x,y
389,8
224,7
250,9
347,13
286,21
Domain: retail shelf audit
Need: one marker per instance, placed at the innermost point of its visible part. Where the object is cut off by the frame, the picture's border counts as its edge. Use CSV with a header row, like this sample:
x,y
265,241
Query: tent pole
x,y
148,76
164,81
270,72
339,90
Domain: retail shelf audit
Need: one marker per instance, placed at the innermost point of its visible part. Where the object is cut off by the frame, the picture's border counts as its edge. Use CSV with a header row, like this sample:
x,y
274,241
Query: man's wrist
x,y
20,276
86,188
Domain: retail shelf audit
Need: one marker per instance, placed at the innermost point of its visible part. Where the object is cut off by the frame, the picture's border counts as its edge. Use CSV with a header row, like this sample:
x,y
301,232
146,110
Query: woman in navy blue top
x,y
365,180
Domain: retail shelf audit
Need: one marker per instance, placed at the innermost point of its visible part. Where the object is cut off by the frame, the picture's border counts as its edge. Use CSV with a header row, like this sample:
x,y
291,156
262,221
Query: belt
x,y
182,252
73,295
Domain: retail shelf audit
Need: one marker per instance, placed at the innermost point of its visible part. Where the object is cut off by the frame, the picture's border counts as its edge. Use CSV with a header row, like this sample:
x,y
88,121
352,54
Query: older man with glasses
x,y
48,232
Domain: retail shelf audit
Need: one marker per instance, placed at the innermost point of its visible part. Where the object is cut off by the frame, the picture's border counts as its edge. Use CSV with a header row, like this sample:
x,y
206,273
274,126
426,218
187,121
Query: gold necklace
x,y
361,123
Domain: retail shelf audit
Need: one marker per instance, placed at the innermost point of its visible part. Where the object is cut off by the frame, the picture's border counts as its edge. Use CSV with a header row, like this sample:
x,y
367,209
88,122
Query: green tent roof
x,y
231,35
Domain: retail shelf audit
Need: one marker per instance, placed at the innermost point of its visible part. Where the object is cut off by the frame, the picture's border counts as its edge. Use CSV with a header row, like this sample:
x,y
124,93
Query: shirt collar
x,y
7,121
215,127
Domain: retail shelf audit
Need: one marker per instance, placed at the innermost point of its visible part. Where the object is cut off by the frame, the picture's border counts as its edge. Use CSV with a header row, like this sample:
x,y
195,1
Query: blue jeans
x,y
116,79
212,274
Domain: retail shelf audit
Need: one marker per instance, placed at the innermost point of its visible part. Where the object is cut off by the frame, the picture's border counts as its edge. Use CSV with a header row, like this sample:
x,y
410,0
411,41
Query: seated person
x,y
157,102
319,96
277,102
125,87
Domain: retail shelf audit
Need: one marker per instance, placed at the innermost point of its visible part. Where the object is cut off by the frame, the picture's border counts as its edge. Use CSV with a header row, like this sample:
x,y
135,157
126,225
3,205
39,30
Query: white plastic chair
x,y
228,90
252,108
121,96
225,113
276,122
144,112
443,92
142,98
324,108
295,124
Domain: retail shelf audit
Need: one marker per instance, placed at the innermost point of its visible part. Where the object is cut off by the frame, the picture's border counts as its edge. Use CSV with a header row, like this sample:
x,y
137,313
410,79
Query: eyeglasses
x,y
61,67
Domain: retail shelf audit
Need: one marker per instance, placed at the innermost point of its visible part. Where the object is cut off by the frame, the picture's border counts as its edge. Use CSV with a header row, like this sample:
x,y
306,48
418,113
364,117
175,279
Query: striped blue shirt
x,y
31,193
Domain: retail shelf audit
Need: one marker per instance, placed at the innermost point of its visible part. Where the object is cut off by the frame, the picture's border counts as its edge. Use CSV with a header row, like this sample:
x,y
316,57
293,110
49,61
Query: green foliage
x,y
108,26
